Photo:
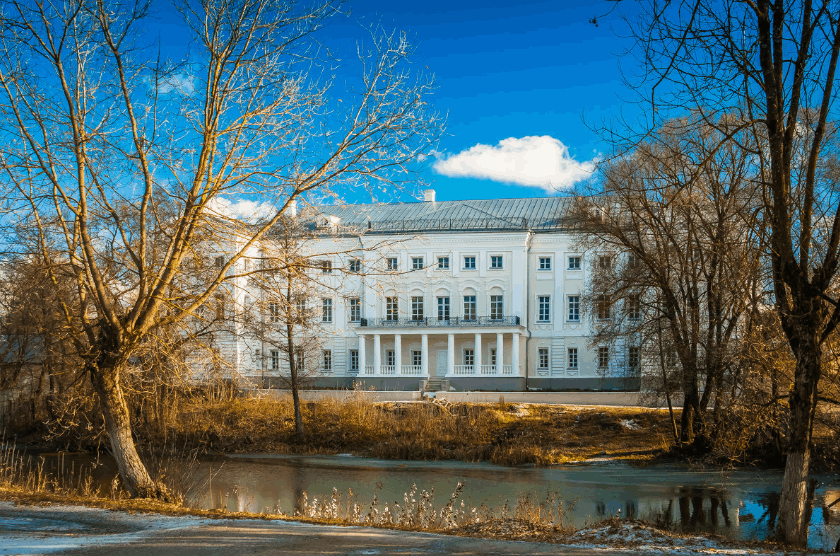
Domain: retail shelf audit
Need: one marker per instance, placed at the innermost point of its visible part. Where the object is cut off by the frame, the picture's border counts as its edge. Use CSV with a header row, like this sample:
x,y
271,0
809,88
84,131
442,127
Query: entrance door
x,y
442,361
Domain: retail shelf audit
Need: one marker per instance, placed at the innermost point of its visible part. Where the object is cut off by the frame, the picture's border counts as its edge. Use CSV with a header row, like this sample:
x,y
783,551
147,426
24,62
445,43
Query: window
x,y
634,307
275,359
326,267
603,304
326,310
469,307
544,308
248,265
220,262
300,362
469,263
391,308
633,359
392,263
417,308
416,358
542,358
544,263
390,358
300,307
469,357
354,359
417,263
572,359
443,308
603,357
355,265
496,262
326,362
443,263
355,309
574,308
273,311
632,261
493,356
604,262
220,307
496,307
574,262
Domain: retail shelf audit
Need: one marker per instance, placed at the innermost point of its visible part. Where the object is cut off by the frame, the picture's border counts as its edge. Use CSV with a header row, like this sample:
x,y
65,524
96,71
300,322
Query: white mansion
x,y
463,295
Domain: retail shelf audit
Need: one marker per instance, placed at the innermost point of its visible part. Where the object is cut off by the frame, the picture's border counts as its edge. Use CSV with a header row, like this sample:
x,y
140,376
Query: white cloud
x,y
249,211
532,161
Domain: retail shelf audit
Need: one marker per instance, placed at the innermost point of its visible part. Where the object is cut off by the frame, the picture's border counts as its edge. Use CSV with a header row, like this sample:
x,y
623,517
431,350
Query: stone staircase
x,y
435,385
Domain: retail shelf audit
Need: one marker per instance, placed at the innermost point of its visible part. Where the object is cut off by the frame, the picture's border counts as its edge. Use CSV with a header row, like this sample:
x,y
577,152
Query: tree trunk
x,y
293,372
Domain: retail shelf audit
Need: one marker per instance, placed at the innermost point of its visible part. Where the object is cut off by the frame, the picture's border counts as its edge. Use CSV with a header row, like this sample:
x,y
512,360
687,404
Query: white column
x,y
500,352
362,358
424,355
450,363
377,354
477,354
514,354
398,353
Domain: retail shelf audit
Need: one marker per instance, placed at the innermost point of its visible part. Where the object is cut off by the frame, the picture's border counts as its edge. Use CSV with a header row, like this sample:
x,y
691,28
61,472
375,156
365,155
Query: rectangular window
x,y
354,359
545,263
443,308
496,262
274,312
392,263
574,308
275,359
634,307
355,309
300,362
469,263
542,358
493,356
632,261
443,263
496,307
326,364
544,308
355,265
470,310
417,263
574,263
603,303
417,308
390,358
220,262
604,262
572,363
220,307
391,308
603,357
469,357
416,358
326,267
326,310
633,359
300,308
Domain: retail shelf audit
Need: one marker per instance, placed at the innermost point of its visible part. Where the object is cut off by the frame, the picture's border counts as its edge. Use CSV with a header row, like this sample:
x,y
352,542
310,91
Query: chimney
x,y
291,210
429,195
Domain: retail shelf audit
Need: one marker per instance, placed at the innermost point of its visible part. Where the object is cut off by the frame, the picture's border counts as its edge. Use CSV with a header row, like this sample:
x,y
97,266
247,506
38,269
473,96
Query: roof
x,y
534,214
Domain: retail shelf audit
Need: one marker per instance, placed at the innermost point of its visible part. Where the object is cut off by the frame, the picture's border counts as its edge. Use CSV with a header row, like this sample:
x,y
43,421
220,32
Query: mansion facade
x,y
455,295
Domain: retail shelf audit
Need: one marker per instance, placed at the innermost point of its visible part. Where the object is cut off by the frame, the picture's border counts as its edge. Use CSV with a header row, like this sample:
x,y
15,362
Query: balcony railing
x,y
434,322
472,370
393,370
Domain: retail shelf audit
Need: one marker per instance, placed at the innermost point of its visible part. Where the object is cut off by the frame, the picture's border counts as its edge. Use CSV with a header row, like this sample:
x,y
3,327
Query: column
x,y
477,355
500,352
424,355
514,354
450,361
398,353
377,354
362,359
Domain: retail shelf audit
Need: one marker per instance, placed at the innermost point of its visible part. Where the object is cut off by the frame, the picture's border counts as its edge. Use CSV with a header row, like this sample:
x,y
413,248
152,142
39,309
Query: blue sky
x,y
522,85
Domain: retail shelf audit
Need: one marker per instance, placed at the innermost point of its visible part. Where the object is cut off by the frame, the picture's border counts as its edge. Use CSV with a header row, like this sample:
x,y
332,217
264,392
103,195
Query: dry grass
x,y
506,434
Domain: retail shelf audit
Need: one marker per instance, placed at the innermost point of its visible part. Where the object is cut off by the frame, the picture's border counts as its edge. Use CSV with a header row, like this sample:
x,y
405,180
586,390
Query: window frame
x,y
540,260
473,259
576,305
468,357
353,360
392,308
445,306
414,261
579,263
442,258
603,357
355,266
497,302
473,300
274,313
326,360
326,267
544,317
326,310
390,358
543,358
493,259
572,359
418,312
634,358
634,308
354,309
392,263
274,357
603,307
416,358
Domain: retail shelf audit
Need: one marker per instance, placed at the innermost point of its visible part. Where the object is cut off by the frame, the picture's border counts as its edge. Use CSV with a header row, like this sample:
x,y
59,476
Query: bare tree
x,y
774,63
119,160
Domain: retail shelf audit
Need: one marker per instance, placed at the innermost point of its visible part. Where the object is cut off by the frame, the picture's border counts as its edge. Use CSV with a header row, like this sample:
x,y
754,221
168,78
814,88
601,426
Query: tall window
x,y
633,360
355,265
470,310
469,357
220,262
545,263
604,262
572,363
493,356
574,308
603,357
417,308
469,263
273,311
496,262
416,358
300,307
634,307
417,263
275,359
326,267
574,262
496,307
354,360
300,361
390,358
443,263
326,310
355,309
544,308
443,308
632,261
603,303
326,362
392,263
542,358
391,308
